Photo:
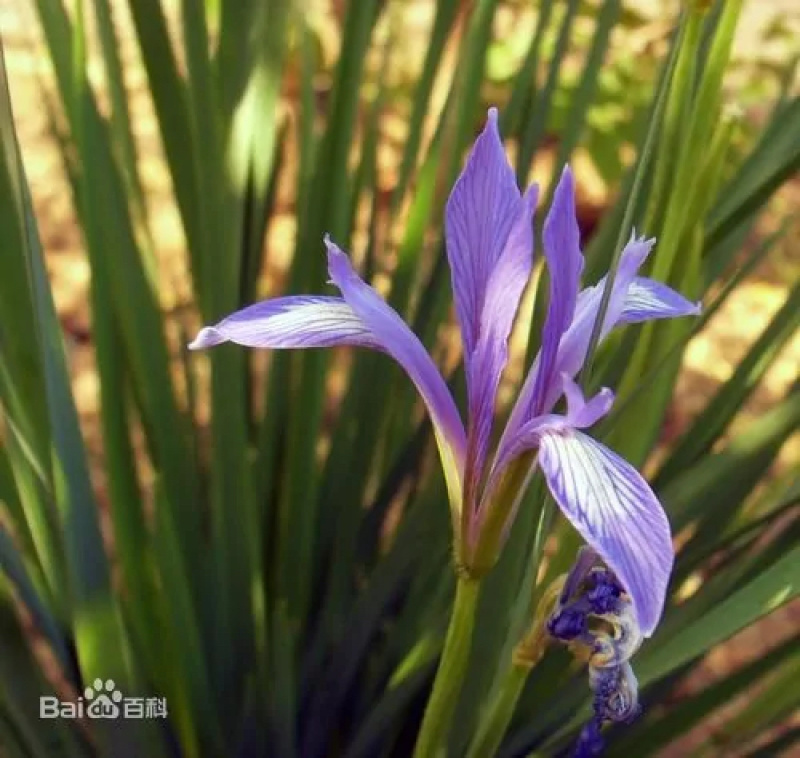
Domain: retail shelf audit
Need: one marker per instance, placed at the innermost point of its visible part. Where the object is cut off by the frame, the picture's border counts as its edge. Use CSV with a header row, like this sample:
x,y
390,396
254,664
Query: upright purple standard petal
x,y
616,512
562,250
395,338
290,322
480,212
489,235
503,292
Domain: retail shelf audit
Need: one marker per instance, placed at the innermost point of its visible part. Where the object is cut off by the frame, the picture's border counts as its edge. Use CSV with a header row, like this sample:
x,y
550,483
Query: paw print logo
x,y
103,700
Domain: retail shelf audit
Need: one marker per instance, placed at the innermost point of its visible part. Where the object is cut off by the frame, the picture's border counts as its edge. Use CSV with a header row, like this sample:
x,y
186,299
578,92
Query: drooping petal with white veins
x,y
615,511
290,322
394,337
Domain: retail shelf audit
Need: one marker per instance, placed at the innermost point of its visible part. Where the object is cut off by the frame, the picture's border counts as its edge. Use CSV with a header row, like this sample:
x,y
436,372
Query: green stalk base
x,y
450,674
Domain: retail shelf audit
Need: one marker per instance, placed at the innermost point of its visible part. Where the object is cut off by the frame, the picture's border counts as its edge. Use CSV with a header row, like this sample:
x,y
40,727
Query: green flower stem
x,y
450,674
497,718
526,656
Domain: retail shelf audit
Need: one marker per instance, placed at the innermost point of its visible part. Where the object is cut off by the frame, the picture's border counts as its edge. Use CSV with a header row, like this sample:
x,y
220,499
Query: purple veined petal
x,y
479,215
395,338
561,237
615,511
647,299
572,351
290,322
581,414
503,292
634,299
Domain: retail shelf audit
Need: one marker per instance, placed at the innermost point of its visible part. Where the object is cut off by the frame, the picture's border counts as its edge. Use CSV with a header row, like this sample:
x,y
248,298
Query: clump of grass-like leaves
x,y
284,578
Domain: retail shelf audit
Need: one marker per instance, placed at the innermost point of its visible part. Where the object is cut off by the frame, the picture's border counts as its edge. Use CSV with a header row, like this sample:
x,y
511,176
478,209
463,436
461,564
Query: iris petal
x,y
647,299
561,238
489,235
633,299
290,322
581,414
480,213
362,318
503,293
615,511
395,338
572,351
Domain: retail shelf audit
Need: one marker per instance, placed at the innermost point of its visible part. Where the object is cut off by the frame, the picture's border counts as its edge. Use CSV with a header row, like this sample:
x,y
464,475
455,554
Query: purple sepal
x,y
590,741
604,592
567,624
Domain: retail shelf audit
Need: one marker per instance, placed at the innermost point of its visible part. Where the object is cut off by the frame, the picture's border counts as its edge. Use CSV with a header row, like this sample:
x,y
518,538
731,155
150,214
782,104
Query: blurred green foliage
x,y
287,597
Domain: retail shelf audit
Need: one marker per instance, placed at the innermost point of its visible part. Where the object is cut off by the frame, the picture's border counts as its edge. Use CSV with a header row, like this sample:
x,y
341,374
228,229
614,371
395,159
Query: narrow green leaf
x,y
120,115
785,740
21,686
539,111
372,734
238,42
13,567
421,532
728,476
328,211
169,94
283,697
646,738
775,158
779,700
582,98
442,26
766,592
109,228
523,90
183,639
712,422
99,636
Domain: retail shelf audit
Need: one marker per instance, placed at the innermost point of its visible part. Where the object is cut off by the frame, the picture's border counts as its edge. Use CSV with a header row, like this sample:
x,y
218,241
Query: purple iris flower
x,y
489,238
592,594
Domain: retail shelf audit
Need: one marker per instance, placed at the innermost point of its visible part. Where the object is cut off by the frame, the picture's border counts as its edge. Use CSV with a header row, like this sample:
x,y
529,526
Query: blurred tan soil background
x,y
768,39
